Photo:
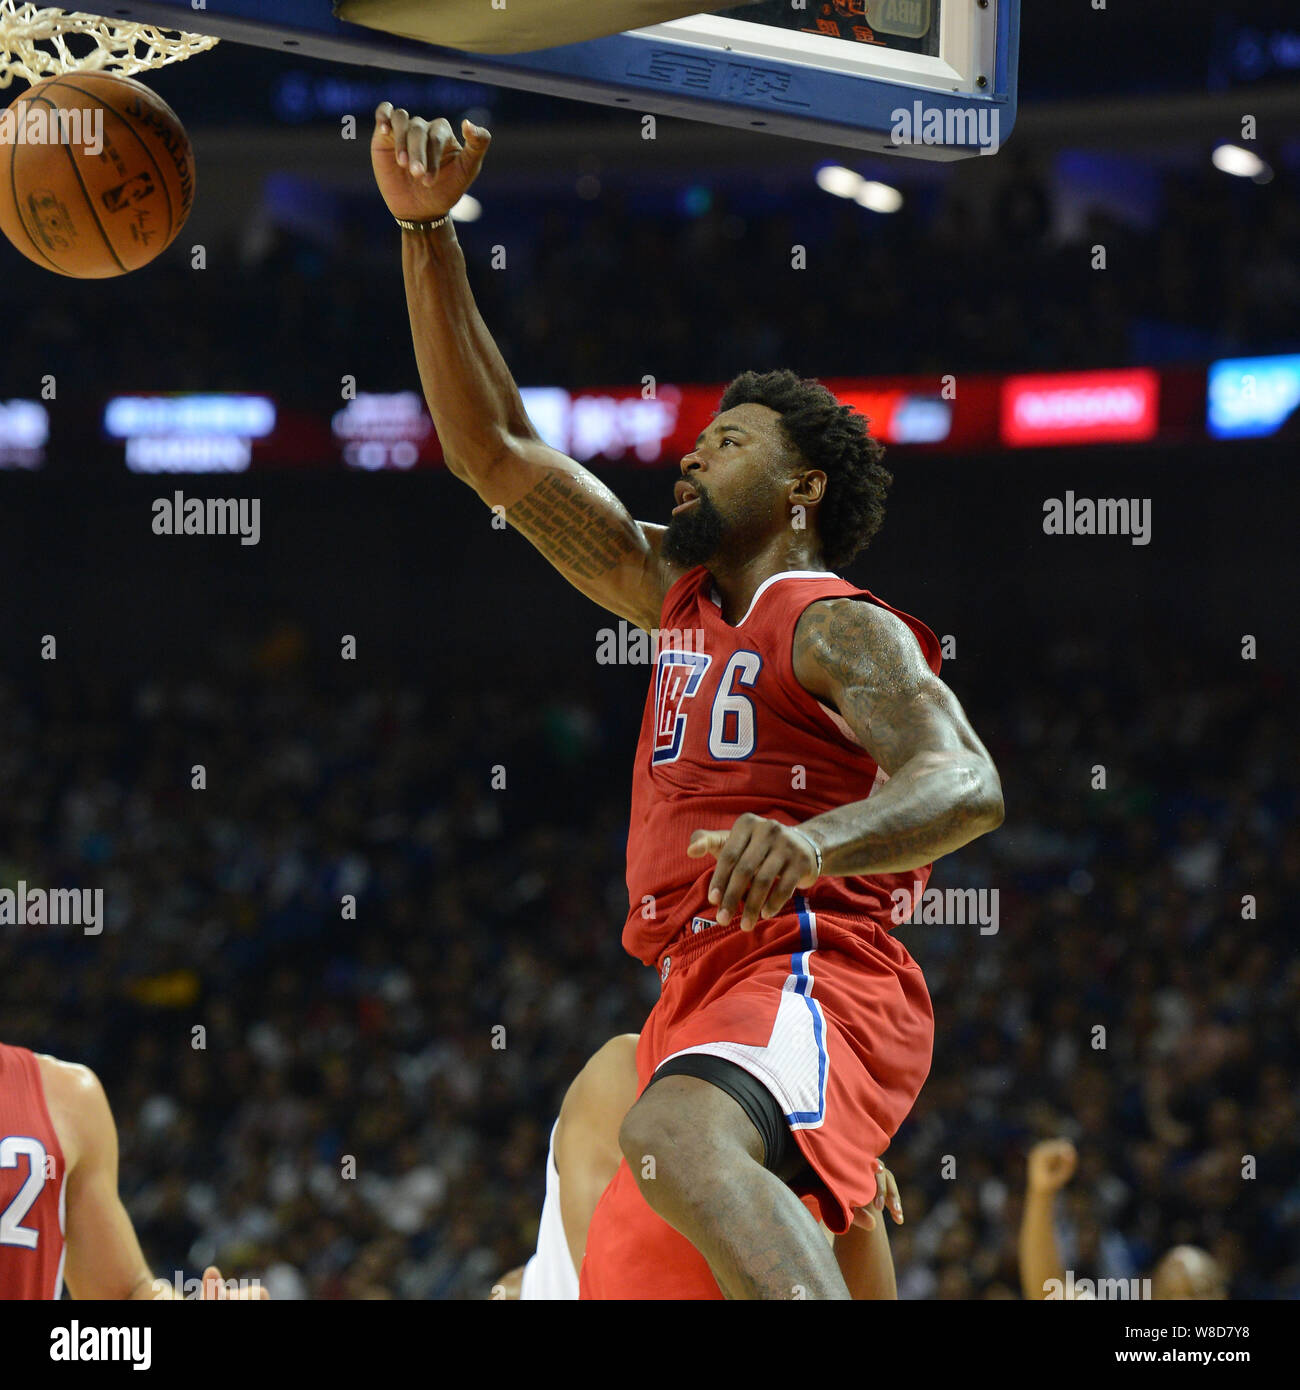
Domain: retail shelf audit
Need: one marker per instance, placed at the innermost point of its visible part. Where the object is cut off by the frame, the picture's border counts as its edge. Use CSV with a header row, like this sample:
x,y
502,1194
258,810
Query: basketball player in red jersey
x,y
60,1214
799,761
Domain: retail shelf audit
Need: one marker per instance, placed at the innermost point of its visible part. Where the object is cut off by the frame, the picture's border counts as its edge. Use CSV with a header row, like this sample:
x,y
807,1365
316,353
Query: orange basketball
x,y
96,174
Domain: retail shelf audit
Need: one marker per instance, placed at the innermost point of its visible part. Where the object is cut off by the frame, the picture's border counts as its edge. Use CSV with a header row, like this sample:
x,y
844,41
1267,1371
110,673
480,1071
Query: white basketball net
x,y
34,43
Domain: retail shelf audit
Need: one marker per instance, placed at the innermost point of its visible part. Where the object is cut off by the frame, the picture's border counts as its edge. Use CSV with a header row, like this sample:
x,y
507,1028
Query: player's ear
x,y
809,487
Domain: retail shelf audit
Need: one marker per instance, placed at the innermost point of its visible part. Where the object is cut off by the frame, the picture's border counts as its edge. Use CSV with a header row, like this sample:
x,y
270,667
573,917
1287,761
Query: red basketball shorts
x,y
832,1015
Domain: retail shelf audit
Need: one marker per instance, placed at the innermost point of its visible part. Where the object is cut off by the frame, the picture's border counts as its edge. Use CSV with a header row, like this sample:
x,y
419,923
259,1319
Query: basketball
x,y
96,173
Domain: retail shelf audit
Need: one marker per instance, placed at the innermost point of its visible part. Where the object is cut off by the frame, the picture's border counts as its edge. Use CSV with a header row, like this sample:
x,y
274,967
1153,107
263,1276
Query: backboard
x,y
934,79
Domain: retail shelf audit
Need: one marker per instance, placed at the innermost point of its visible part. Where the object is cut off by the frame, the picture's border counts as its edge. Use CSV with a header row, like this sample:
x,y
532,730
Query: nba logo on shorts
x,y
663,973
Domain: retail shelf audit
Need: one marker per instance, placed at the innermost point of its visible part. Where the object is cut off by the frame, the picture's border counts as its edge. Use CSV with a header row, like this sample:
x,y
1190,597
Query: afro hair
x,y
835,439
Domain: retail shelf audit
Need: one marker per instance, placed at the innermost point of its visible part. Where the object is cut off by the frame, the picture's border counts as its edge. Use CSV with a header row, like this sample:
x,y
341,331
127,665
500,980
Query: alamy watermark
x,y
1103,1290
78,1341
627,645
1100,516
192,1288
946,907
919,124
34,123
179,515
52,907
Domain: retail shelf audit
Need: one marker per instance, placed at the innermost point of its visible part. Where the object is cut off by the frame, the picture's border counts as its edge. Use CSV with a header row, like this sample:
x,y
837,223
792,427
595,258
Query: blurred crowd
x,y
342,988
700,285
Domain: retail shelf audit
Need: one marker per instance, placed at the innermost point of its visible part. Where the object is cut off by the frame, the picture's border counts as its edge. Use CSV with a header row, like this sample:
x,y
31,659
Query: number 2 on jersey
x,y
12,1148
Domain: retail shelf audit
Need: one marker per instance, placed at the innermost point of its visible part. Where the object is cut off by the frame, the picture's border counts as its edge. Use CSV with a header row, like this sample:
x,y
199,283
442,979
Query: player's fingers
x,y
863,1217
892,1199
760,889
383,122
781,892
213,1286
709,842
878,1201
421,151
477,140
736,844
400,120
442,145
706,842
742,874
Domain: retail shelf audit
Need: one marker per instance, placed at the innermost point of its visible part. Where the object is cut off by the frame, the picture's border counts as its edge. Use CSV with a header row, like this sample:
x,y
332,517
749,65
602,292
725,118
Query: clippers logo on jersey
x,y
677,678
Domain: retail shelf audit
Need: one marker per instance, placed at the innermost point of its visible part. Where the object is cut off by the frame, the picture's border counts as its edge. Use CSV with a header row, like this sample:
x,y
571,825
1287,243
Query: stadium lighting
x,y
878,197
838,181
1240,163
469,209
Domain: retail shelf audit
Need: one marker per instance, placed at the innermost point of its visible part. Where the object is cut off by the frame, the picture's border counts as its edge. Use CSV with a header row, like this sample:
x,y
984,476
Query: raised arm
x,y
487,438
1051,1165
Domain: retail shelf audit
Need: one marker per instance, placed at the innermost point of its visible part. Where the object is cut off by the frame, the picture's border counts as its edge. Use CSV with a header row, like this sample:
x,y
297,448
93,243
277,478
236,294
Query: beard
x,y
693,538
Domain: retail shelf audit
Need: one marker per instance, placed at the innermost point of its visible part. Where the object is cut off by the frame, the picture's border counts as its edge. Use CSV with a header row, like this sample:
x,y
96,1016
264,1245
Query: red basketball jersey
x,y
32,1182
729,729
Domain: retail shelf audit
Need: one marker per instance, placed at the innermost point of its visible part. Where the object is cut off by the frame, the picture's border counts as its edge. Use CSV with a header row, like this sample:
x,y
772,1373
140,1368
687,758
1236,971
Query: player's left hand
x,y
886,1196
760,864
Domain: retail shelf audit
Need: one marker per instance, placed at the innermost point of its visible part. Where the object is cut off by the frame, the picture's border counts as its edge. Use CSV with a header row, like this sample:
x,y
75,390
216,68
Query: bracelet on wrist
x,y
816,848
422,226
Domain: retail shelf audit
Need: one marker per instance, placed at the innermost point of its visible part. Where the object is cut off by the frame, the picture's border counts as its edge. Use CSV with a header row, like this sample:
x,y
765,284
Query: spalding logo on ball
x,y
96,174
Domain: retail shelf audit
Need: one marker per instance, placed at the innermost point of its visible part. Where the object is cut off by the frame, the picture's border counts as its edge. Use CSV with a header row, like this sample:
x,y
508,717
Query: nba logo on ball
x,y
134,190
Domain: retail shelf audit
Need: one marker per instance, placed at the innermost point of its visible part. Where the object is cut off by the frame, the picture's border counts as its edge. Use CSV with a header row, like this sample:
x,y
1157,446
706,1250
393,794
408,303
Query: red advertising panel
x,y
1080,407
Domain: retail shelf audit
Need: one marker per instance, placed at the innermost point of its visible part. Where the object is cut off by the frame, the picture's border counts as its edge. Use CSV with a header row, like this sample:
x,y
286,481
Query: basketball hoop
x,y
103,45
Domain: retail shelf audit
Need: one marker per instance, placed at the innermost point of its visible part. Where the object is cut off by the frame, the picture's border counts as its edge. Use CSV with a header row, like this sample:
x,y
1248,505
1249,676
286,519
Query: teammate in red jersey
x,y
799,760
60,1214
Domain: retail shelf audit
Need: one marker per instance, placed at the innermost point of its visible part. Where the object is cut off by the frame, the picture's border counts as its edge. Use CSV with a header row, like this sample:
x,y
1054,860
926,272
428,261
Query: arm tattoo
x,y
943,789
573,529
880,679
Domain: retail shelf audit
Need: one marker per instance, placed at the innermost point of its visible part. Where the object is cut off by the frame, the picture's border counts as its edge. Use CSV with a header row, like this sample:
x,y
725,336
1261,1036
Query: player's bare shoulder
x,y
843,643
78,1107
868,664
69,1080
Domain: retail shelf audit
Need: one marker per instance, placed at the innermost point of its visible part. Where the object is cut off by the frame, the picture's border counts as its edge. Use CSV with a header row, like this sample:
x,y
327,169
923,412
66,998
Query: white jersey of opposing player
x,y
550,1274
